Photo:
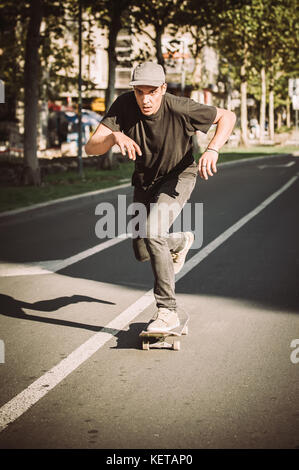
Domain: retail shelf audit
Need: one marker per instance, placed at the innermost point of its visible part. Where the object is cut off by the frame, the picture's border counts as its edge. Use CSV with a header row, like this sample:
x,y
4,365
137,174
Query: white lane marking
x,y
91,251
38,389
28,397
22,269
63,199
283,165
48,267
52,266
202,254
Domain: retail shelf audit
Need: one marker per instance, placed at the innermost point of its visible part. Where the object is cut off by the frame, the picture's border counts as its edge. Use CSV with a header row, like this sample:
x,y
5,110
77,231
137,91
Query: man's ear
x,y
164,88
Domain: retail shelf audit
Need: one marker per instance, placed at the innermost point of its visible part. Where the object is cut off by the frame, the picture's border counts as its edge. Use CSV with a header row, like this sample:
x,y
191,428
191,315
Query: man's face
x,y
149,98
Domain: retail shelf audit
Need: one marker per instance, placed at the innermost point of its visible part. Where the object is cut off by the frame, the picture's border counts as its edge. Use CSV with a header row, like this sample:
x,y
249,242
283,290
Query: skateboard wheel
x,y
145,345
176,345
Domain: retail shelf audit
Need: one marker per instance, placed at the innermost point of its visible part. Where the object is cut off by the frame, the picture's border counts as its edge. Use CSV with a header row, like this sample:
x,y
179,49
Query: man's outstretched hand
x,y
127,145
207,164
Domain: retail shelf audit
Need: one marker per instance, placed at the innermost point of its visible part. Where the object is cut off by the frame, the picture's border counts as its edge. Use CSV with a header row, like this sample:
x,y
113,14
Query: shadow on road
x,y
129,339
11,307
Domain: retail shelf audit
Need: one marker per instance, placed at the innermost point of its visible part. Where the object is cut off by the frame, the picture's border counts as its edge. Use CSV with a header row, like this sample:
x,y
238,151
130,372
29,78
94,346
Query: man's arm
x,y
104,138
225,121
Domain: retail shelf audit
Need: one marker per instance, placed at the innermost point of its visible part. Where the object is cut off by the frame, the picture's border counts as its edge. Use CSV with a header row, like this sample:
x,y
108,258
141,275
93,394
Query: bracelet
x,y
214,150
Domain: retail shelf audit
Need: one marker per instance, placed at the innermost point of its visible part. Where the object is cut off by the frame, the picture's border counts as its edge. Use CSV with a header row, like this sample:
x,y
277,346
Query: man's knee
x,y
155,243
142,257
140,250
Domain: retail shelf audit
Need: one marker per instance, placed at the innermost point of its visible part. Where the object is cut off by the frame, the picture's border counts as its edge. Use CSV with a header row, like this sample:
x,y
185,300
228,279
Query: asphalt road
x,y
74,375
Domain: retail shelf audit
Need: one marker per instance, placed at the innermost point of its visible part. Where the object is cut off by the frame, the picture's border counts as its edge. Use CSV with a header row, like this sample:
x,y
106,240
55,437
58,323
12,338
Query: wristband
x,y
214,150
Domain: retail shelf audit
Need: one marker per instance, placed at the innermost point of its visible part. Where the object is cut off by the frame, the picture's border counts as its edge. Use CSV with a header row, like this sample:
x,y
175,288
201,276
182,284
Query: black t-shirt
x,y
165,138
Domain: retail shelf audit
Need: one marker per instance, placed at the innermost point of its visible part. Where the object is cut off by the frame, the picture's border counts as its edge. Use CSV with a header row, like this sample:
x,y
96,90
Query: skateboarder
x,y
155,129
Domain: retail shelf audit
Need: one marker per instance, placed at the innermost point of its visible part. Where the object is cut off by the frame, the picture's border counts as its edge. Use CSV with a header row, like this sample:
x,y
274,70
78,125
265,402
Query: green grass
x,y
68,184
60,185
229,154
260,151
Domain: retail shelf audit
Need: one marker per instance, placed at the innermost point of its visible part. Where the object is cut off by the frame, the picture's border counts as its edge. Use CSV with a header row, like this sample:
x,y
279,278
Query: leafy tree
x,y
277,48
260,35
160,15
11,53
112,15
236,41
37,47
202,20
57,62
31,91
27,42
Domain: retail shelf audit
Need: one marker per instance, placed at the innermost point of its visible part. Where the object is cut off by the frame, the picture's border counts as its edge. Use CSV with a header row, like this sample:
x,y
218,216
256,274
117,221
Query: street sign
x,y
293,87
295,102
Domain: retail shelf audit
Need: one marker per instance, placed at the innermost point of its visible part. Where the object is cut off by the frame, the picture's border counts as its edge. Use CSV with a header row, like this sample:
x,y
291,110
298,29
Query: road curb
x,y
92,194
253,159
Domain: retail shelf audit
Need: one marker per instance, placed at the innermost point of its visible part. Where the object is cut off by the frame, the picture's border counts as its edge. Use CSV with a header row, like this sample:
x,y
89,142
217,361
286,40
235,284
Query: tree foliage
x,y
153,17
249,35
112,15
12,25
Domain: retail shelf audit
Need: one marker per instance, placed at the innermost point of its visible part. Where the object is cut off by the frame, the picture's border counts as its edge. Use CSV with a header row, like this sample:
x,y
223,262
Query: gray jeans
x,y
163,203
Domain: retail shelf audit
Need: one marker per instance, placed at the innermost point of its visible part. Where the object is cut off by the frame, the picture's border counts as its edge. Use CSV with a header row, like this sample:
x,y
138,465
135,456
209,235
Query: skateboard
x,y
157,339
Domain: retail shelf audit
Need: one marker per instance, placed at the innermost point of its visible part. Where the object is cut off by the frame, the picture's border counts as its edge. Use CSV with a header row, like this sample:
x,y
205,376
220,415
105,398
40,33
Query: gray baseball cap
x,y
148,73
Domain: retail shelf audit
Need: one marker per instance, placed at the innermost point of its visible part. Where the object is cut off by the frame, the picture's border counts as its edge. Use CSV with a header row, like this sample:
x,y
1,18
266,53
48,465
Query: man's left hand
x,y
207,164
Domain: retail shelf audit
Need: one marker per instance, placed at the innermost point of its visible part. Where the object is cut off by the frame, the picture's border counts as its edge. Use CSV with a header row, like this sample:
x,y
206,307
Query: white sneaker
x,y
180,256
164,320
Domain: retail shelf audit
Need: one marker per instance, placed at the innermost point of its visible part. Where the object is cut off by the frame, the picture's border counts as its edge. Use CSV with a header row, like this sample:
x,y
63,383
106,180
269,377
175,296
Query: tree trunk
x,y
31,173
158,45
279,120
244,125
271,108
263,104
110,92
196,74
112,62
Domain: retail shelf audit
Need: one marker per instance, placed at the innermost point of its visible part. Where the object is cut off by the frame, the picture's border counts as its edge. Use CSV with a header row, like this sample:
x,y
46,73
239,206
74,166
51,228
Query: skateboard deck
x,y
166,339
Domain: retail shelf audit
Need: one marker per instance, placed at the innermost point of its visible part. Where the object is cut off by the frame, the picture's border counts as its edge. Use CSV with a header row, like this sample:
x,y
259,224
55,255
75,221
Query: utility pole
x,y
294,95
80,93
183,74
